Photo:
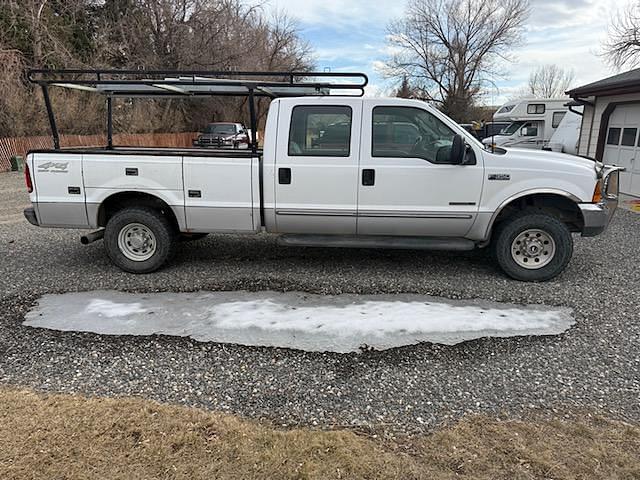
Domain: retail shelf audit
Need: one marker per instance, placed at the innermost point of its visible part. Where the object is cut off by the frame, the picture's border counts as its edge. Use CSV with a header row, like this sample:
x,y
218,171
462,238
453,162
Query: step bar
x,y
377,241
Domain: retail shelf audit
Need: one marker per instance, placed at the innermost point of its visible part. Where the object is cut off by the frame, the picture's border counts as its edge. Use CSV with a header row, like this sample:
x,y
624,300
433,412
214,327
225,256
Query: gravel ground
x,y
594,366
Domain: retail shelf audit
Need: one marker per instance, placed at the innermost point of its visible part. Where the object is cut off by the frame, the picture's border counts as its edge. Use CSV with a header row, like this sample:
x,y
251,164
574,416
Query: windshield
x,y
222,128
511,129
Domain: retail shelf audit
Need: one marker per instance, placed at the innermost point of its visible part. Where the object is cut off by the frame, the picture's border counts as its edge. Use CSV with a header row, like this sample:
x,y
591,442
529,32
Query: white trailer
x,y
335,171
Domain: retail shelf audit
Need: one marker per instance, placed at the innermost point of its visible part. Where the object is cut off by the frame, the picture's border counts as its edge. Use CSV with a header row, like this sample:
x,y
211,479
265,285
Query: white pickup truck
x,y
334,171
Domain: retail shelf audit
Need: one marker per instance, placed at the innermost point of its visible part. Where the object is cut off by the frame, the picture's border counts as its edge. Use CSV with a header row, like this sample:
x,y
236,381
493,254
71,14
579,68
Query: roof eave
x,y
616,89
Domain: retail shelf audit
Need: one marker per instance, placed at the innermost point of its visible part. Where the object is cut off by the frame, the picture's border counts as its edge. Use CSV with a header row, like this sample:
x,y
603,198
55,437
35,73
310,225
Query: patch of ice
x,y
377,317
111,309
341,323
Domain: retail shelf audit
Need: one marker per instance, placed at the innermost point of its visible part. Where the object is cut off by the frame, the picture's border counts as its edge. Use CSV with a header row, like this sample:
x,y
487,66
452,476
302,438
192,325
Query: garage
x,y
610,129
623,146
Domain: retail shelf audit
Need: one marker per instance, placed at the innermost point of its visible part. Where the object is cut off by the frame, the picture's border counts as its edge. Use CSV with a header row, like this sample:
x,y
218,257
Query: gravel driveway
x,y
595,365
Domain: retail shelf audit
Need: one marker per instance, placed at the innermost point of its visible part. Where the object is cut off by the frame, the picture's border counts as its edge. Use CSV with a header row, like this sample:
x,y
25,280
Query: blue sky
x,y
350,35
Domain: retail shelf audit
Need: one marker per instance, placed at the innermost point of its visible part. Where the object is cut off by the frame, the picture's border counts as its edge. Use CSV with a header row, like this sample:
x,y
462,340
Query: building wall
x,y
587,119
592,119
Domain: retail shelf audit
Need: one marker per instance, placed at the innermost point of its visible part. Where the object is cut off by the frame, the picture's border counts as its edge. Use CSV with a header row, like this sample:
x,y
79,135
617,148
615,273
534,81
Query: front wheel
x,y
139,239
533,247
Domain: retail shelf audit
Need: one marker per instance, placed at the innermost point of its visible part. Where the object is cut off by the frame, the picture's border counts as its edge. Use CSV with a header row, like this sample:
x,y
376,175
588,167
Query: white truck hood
x,y
497,139
545,159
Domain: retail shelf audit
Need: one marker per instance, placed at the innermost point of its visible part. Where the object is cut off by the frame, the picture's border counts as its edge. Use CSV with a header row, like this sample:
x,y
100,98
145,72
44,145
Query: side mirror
x,y
457,150
453,154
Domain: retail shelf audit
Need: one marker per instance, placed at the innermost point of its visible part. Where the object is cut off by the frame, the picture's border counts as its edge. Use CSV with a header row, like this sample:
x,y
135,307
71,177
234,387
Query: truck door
x,y
316,167
406,185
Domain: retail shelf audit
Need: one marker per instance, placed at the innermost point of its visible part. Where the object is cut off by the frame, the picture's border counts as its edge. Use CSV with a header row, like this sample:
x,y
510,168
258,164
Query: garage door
x,y
623,146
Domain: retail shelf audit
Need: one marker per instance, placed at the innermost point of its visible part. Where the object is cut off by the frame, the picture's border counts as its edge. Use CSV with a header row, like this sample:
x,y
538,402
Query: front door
x,y
316,174
406,184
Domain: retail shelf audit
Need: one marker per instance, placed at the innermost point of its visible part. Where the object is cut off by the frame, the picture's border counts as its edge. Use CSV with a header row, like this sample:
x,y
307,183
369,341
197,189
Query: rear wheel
x,y
533,247
139,239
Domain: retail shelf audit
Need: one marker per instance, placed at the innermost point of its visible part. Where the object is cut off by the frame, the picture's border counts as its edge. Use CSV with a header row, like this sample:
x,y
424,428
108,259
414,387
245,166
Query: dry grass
x,y
71,437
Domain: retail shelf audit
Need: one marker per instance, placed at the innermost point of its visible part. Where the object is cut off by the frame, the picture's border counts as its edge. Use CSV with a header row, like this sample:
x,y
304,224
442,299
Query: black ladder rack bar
x,y
110,123
259,81
52,118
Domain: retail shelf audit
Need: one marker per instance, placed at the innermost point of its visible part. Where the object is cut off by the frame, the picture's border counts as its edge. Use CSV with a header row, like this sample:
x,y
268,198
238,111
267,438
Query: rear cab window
x,y
320,131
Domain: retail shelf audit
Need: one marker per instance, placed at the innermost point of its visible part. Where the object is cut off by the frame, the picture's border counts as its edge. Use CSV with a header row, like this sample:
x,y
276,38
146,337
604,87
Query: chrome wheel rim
x,y
533,249
137,242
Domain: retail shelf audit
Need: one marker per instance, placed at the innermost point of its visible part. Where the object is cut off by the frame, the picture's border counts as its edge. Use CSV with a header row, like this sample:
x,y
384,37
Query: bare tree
x,y
221,35
448,48
405,90
622,48
550,81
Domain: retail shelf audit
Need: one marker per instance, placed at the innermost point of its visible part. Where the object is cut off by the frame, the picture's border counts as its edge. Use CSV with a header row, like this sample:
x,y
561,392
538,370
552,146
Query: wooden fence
x,y
12,146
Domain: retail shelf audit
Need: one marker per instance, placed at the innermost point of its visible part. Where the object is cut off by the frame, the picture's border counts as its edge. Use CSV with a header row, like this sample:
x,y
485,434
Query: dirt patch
x,y
72,437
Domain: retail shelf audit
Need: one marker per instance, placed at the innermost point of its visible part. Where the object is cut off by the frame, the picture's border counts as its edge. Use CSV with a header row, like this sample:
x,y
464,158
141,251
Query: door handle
x,y
368,177
284,176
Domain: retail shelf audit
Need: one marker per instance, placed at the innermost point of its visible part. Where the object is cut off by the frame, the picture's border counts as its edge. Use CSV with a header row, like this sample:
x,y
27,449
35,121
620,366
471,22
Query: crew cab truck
x,y
392,173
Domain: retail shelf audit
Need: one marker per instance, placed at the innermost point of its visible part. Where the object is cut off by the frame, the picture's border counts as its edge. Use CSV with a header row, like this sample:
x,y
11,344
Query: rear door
x,y
316,175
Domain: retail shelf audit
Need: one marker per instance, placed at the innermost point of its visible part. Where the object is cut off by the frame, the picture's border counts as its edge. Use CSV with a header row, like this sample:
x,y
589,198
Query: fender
x,y
95,204
526,193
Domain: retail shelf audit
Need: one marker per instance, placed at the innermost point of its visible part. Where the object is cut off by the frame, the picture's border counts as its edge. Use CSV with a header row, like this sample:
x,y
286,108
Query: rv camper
x,y
533,122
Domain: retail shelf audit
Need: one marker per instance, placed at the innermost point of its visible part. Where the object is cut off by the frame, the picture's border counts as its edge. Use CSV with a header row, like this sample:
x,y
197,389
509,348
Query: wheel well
x,y
121,200
561,207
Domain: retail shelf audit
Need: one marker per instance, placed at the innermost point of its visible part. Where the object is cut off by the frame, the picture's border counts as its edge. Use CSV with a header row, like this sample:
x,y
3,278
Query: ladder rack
x,y
194,83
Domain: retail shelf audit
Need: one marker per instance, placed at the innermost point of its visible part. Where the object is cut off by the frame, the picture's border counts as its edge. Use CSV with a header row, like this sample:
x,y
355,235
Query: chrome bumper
x,y
597,216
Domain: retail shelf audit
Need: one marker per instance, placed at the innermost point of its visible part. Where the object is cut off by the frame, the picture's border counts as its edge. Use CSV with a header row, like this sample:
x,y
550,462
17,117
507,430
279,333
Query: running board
x,y
377,241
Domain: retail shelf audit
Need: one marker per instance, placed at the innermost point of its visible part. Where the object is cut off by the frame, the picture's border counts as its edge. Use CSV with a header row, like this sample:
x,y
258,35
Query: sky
x,y
349,35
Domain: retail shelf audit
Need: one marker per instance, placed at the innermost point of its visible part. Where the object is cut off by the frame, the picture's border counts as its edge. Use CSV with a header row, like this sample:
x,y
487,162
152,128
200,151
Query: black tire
x,y
192,237
162,229
510,229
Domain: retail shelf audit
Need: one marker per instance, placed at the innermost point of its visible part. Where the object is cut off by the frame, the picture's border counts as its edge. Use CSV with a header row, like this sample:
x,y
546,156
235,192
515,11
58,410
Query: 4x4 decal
x,y
53,167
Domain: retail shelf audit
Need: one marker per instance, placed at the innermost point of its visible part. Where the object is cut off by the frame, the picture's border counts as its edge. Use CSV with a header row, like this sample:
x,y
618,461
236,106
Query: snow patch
x,y
342,323
111,309
377,317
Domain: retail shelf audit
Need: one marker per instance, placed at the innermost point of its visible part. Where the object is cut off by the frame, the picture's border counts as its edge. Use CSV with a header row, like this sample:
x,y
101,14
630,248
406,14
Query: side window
x,y
409,132
320,131
629,137
529,130
557,118
613,137
537,108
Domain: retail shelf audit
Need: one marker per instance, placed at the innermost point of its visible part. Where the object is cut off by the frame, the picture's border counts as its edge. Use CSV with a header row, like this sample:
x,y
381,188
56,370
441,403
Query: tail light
x,y
27,178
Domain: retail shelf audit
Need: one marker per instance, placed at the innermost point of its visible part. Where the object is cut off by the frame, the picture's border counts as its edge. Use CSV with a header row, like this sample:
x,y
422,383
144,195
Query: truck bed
x,y
207,190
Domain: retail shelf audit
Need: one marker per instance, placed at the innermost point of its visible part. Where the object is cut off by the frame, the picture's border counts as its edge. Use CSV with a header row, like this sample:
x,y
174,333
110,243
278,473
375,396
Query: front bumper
x,y
30,215
597,216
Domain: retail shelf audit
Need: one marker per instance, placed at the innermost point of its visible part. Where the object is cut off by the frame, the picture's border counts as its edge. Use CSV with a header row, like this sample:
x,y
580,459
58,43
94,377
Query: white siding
x,y
587,119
